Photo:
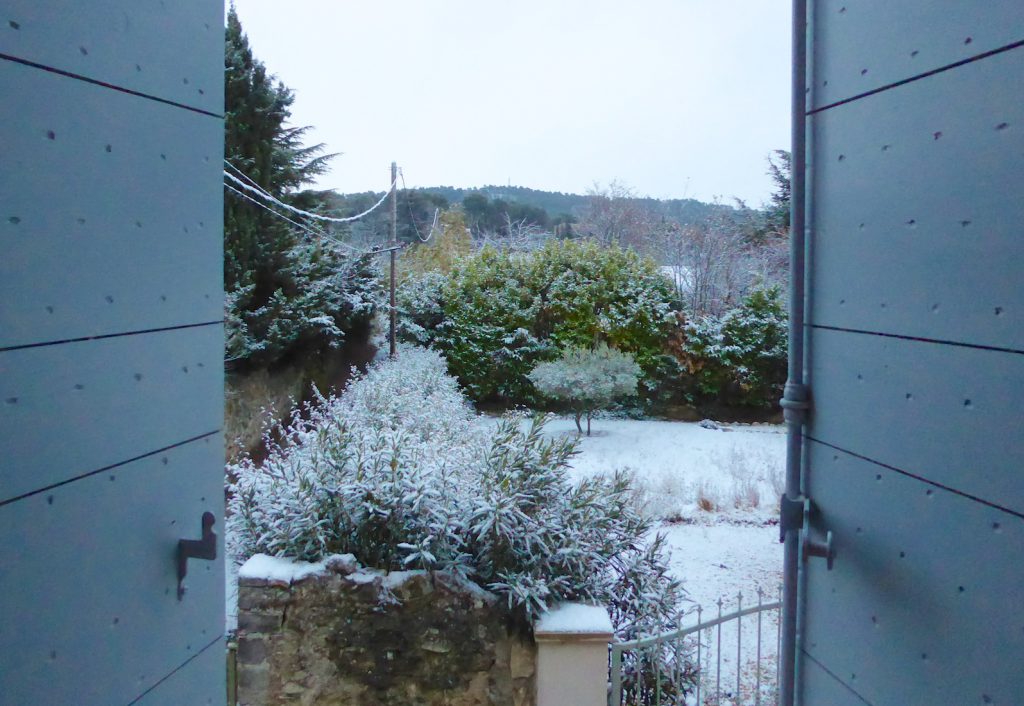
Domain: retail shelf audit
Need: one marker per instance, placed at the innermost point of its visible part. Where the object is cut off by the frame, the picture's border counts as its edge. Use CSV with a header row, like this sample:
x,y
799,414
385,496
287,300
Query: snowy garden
x,y
526,439
650,518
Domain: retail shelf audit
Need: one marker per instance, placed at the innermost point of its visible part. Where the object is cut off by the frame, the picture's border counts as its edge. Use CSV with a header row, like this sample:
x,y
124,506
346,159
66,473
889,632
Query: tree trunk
x,y
588,425
579,429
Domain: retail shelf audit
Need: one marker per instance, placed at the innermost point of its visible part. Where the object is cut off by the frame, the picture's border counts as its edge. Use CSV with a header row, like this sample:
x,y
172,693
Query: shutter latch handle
x,y
205,548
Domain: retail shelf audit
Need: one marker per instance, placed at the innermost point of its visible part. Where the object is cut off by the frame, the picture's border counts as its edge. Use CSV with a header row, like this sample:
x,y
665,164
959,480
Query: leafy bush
x,y
420,307
505,312
399,472
740,357
487,334
323,294
587,380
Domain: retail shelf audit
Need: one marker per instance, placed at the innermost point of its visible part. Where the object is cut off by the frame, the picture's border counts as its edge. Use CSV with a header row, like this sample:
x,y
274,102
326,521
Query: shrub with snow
x,y
398,472
586,380
500,313
740,357
420,307
326,294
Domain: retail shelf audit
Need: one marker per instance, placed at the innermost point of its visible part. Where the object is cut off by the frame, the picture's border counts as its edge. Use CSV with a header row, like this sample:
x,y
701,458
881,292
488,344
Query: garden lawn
x,y
716,492
706,476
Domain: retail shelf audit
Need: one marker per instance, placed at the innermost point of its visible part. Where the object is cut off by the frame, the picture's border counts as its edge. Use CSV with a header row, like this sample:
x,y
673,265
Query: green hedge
x,y
505,312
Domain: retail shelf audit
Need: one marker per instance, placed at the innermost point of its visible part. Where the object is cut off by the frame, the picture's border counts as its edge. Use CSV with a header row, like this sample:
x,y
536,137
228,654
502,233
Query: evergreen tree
x,y
257,141
284,294
780,170
740,357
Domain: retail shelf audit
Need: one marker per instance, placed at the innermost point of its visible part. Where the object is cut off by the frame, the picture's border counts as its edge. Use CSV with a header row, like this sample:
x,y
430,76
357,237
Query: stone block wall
x,y
333,633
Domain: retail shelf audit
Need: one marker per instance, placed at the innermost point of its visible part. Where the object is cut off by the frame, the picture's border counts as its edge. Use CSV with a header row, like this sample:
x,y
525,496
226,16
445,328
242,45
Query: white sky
x,y
671,97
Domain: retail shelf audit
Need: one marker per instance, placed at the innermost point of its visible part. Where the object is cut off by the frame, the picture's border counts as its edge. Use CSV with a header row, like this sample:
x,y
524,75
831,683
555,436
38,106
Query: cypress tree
x,y
286,293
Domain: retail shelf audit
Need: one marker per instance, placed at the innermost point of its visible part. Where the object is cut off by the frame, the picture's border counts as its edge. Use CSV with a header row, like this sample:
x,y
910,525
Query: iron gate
x,y
684,667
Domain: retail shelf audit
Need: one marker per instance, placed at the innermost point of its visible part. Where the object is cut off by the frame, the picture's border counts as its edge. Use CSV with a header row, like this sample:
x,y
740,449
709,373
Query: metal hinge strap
x,y
791,515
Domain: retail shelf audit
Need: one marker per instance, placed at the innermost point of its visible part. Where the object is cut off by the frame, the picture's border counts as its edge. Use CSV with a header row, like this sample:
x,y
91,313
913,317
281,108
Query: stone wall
x,y
332,634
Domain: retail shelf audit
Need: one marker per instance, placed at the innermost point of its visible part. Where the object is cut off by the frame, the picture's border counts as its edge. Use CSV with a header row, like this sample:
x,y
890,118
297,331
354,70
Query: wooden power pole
x,y
394,253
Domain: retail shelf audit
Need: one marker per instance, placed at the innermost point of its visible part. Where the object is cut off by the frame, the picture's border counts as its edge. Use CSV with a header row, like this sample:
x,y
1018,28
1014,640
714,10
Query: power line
x,y
315,231
307,229
266,196
256,188
412,216
261,189
311,231
433,226
279,215
246,176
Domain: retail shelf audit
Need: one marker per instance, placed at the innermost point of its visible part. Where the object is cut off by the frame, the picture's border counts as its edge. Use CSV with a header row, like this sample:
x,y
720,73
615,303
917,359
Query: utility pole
x,y
394,252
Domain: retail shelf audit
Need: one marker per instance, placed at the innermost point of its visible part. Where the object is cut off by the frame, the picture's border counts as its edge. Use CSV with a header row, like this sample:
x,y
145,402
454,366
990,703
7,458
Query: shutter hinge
x,y
204,548
795,514
791,515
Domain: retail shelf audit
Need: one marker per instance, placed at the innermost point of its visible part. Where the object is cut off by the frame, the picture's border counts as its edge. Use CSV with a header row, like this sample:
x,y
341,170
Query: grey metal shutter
x,y
111,345
915,445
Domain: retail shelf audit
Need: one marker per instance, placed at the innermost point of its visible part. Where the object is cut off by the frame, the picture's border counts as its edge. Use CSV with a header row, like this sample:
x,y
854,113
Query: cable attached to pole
x,y
412,216
311,231
267,197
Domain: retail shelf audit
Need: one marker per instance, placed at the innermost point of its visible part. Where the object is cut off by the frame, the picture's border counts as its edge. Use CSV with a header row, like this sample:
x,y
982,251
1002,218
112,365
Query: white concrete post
x,y
572,655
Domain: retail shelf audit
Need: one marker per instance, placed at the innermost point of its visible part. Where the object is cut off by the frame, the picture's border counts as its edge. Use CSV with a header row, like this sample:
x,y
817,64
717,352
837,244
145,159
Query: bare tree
x,y
614,215
517,236
713,266
712,256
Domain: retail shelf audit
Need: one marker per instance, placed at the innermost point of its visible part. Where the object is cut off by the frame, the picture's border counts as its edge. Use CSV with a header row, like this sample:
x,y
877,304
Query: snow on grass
x,y
721,561
686,472
721,488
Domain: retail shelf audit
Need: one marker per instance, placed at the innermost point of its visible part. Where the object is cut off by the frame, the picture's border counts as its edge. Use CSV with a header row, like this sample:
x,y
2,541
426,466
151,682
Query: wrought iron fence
x,y
683,667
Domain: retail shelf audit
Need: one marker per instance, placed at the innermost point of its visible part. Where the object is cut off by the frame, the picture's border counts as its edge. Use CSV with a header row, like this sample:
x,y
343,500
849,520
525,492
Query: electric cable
x,y
263,194
412,216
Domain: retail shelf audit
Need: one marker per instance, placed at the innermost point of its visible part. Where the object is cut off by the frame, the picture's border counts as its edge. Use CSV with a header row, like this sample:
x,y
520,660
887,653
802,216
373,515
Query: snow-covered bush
x,y
740,357
487,333
587,380
399,472
322,295
420,307
353,475
504,312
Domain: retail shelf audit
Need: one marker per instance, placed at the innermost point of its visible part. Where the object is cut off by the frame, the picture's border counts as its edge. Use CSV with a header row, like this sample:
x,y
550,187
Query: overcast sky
x,y
672,98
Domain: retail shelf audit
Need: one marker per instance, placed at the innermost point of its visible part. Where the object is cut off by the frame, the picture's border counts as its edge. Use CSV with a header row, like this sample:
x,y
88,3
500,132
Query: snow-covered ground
x,y
715,492
721,561
724,561
686,472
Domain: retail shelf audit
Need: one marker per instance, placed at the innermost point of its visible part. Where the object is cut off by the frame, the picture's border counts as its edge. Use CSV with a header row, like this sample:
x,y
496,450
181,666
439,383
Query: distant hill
x,y
486,208
556,203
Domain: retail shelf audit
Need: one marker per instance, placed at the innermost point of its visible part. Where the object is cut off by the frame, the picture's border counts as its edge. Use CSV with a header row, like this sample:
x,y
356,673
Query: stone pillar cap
x,y
574,621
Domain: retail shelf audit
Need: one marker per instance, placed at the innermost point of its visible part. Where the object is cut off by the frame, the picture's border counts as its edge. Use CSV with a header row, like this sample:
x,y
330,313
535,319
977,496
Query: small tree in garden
x,y
587,380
